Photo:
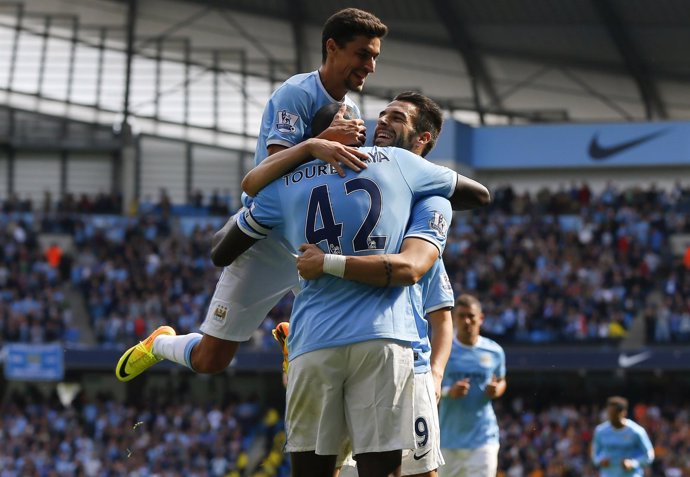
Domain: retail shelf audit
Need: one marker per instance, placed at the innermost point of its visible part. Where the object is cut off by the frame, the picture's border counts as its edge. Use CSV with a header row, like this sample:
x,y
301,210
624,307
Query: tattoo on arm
x,y
389,269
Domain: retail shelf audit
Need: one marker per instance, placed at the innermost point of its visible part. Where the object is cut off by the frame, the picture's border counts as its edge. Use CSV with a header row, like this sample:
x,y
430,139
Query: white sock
x,y
176,348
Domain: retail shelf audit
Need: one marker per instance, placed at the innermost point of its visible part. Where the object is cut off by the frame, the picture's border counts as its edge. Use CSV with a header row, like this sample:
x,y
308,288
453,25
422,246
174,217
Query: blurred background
x,y
127,126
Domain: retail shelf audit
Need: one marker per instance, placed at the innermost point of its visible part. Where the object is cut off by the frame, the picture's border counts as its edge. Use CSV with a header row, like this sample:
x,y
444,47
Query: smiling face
x,y
354,61
395,126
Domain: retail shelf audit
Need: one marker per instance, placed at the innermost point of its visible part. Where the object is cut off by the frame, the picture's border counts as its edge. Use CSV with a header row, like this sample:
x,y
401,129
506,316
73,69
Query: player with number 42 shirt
x,y
361,213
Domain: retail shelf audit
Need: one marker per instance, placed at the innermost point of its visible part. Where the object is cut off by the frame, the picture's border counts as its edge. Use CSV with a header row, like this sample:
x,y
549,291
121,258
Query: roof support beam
x,y
635,65
294,13
473,62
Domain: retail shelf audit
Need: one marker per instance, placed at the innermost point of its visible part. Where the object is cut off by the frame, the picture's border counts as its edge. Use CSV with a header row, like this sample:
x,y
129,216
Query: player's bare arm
x,y
283,161
496,388
229,243
441,322
469,194
401,269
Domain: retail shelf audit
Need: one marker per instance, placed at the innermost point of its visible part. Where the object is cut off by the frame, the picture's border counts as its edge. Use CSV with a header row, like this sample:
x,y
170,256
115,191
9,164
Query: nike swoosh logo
x,y
122,372
599,152
625,361
417,457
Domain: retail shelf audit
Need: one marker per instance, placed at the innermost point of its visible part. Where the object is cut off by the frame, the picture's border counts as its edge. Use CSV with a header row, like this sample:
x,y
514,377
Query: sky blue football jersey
x,y
470,422
430,220
629,442
359,214
287,117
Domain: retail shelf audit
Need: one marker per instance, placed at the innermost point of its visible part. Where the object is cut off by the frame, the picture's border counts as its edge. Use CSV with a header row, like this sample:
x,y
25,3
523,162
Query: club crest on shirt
x,y
220,313
438,224
486,360
286,121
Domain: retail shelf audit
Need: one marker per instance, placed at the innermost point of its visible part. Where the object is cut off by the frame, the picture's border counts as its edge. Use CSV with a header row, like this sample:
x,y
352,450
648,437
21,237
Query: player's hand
x,y
437,385
310,263
460,388
345,131
628,464
335,154
492,388
604,462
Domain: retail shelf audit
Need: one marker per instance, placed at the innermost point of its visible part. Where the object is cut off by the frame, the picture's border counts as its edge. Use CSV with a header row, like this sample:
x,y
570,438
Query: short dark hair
x,y
619,402
468,301
429,116
324,117
345,25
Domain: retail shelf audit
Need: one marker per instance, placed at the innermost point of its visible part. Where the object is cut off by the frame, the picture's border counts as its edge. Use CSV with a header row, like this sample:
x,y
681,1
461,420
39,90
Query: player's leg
x,y
379,405
245,293
314,417
426,458
379,464
483,461
308,464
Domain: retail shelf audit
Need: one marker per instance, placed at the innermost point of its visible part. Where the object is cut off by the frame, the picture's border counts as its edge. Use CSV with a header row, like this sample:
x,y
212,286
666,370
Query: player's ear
x,y
424,138
331,47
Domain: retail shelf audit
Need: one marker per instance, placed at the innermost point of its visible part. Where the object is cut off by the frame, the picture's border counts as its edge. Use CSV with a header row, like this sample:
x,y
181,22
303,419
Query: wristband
x,y
334,264
445,391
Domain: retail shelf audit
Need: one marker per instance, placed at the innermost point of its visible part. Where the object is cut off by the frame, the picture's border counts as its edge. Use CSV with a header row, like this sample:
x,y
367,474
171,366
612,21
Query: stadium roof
x,y
643,39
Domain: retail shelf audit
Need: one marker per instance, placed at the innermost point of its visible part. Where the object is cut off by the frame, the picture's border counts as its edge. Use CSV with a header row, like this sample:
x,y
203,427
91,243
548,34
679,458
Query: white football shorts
x,y
364,391
427,455
249,288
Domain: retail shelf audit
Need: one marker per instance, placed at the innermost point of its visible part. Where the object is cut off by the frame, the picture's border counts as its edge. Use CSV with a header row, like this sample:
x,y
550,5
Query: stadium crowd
x,y
33,305
103,437
569,265
566,265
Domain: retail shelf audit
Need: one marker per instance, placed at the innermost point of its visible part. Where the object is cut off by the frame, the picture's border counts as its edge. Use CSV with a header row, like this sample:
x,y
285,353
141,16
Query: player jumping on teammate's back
x,y
247,290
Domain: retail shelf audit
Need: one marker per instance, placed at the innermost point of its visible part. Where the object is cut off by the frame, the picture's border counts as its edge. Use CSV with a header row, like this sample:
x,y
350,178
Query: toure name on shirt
x,y
316,170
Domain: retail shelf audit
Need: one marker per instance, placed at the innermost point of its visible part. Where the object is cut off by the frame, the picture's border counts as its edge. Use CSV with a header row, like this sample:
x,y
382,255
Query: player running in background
x,y
620,446
250,288
475,375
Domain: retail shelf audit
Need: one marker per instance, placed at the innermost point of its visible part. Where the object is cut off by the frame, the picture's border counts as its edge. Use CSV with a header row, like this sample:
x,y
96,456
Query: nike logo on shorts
x,y
417,457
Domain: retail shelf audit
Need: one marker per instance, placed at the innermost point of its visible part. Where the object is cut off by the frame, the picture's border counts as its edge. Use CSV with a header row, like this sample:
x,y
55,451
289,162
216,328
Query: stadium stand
x,y
556,266
33,307
571,265
103,436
